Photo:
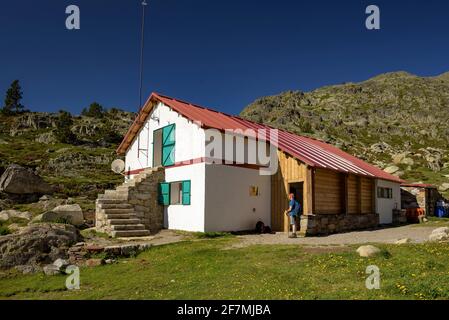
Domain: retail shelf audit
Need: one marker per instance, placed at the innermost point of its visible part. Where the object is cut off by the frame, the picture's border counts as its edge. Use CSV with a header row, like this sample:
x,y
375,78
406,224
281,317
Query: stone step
x,y
111,201
128,227
123,188
130,233
120,216
123,221
121,205
118,211
121,197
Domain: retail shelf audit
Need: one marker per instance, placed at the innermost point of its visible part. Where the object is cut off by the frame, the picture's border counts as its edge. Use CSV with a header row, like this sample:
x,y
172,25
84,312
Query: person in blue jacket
x,y
293,213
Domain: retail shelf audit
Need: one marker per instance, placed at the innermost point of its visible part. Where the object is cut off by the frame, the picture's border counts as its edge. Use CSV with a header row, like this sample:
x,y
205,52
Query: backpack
x,y
296,210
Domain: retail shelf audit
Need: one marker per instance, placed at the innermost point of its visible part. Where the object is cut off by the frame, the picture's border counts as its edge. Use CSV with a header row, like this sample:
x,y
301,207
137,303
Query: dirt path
x,y
387,235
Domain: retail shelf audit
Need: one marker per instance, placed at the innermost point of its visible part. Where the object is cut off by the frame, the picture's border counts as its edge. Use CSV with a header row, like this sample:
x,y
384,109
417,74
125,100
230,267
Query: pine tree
x,y
12,100
95,110
63,130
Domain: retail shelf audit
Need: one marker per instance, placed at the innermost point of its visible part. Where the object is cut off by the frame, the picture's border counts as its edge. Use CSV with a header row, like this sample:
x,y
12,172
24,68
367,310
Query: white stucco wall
x,y
189,139
187,217
229,206
385,207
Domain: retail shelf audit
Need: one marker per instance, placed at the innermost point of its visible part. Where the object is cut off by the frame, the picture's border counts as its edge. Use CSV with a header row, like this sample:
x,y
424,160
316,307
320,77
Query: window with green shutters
x,y
164,193
168,145
164,146
186,192
174,193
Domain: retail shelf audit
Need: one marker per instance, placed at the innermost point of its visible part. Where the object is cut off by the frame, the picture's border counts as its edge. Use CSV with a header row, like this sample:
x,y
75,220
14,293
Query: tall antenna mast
x,y
142,47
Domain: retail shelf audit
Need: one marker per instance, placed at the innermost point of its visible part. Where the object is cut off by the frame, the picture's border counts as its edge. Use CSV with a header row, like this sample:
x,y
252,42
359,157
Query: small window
x,y
164,146
384,193
174,193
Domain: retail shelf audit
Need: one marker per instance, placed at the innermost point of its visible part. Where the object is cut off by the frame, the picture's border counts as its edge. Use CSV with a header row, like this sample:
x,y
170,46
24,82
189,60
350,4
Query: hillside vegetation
x,y
72,153
396,121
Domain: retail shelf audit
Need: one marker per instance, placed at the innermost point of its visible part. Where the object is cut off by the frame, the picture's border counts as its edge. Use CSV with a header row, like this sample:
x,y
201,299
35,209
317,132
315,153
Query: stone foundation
x,y
144,198
322,224
132,209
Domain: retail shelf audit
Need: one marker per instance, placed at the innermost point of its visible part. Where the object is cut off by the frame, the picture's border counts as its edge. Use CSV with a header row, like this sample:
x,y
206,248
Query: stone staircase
x,y
131,210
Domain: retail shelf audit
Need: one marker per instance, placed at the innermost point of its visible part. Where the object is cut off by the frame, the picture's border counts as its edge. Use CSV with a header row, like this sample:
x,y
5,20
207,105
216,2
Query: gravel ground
x,y
386,235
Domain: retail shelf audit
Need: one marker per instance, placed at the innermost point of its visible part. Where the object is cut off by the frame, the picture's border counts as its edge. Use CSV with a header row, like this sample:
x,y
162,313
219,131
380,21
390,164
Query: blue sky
x,y
221,54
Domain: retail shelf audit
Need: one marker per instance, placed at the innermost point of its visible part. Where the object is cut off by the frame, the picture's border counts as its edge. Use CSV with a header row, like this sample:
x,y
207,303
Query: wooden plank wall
x,y
353,206
290,171
325,191
338,193
367,191
329,192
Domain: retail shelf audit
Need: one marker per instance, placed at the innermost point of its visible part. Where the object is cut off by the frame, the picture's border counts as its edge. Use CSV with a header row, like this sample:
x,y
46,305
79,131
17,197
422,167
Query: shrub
x,y
4,230
95,110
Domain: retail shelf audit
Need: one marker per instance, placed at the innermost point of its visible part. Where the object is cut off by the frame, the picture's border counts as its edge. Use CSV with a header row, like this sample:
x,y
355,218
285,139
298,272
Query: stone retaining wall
x,y
323,224
144,198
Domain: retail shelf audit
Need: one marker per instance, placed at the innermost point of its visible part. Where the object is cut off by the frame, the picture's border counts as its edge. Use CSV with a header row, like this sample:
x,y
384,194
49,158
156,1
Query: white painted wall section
x,y
187,217
189,137
385,207
229,206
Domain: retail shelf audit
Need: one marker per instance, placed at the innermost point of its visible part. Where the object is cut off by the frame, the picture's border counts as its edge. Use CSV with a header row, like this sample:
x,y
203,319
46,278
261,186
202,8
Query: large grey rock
x,y
391,169
10,214
441,230
19,180
403,241
368,251
37,245
436,237
51,270
61,264
439,234
71,213
46,138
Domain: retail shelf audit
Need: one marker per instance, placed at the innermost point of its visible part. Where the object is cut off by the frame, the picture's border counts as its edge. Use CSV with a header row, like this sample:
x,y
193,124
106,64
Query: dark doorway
x,y
297,188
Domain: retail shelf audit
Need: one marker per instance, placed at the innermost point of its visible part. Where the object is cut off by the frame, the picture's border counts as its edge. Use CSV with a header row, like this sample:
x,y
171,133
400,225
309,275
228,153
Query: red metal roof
x,y
310,151
419,185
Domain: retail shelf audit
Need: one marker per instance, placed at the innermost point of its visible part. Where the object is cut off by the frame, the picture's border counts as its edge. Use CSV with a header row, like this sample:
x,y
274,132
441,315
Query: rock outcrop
x,y
22,181
368,251
37,245
7,215
440,234
70,213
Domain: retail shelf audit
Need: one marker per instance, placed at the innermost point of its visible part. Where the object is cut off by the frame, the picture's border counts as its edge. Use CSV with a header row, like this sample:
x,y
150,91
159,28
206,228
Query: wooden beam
x,y
359,194
345,191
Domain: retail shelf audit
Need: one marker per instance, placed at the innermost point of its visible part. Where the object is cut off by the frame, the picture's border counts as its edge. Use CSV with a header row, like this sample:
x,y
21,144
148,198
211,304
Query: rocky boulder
x,y
37,245
440,234
403,241
368,251
22,181
444,187
391,169
70,213
11,214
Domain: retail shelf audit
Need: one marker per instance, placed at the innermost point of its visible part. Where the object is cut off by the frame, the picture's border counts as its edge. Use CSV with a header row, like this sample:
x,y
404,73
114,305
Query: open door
x,y
297,188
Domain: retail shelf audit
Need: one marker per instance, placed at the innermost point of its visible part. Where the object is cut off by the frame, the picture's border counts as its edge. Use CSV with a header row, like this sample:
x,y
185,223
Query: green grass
x,y
210,269
434,222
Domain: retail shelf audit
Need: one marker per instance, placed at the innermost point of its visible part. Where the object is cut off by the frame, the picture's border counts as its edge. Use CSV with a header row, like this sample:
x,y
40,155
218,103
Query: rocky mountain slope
x,y
397,121
78,168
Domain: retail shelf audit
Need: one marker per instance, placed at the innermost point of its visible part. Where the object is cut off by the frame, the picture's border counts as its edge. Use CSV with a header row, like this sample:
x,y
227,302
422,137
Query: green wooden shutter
x,y
186,192
168,145
164,193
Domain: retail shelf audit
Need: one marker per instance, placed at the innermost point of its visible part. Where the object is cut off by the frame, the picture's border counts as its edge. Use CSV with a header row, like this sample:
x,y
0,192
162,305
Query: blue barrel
x,y
440,212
